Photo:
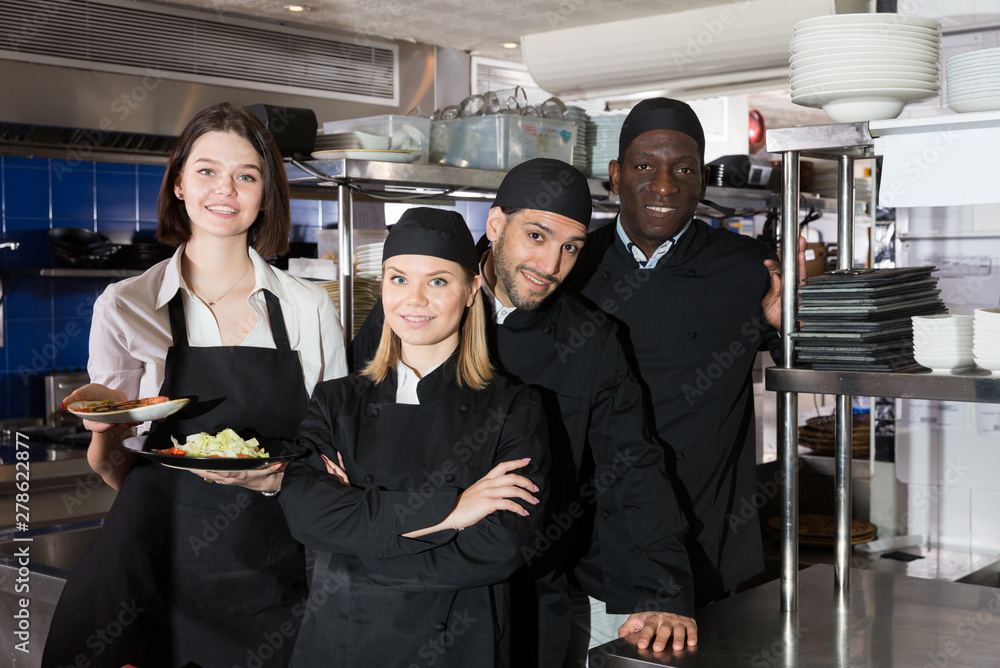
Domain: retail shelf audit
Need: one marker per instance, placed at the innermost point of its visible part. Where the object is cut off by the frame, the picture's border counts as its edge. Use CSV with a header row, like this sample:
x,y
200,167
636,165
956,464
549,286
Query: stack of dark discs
x,y
859,319
821,530
819,435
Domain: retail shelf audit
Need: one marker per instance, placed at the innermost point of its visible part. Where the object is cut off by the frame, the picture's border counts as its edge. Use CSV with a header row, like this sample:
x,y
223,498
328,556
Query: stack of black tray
x,y
859,319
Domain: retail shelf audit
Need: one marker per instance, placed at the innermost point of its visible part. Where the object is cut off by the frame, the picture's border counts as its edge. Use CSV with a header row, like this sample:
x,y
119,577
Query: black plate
x,y
280,450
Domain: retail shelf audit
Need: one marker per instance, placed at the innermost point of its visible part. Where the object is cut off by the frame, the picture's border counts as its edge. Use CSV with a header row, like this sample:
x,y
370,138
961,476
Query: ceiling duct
x,y
732,47
153,40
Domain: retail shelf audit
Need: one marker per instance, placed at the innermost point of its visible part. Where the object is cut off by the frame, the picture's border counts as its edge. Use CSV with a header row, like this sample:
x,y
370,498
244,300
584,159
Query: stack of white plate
x,y
366,293
986,338
864,67
607,129
368,260
351,141
974,80
581,154
943,343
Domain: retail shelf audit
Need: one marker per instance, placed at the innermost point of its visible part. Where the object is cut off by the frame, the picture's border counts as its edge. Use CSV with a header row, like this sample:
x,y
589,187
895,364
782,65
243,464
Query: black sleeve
x,y
491,550
326,515
363,346
624,452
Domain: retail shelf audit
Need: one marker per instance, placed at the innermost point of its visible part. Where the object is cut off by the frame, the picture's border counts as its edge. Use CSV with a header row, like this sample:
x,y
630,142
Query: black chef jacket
x,y
378,599
694,324
612,519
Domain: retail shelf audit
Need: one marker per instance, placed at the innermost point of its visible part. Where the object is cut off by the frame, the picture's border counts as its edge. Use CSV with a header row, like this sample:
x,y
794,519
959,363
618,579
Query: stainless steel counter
x,y
886,621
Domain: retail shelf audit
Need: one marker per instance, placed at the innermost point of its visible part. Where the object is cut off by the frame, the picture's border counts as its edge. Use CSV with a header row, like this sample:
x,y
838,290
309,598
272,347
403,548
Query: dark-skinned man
x,y
696,304
612,526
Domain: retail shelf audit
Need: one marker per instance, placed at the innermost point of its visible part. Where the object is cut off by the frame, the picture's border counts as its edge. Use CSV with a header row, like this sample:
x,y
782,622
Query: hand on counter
x,y
657,628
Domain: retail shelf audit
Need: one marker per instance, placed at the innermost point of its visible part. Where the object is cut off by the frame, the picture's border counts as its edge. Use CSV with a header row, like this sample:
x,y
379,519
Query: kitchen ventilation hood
x,y
116,80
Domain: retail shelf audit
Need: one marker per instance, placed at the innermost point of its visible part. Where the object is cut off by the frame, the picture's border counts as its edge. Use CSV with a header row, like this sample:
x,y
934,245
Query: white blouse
x,y
130,332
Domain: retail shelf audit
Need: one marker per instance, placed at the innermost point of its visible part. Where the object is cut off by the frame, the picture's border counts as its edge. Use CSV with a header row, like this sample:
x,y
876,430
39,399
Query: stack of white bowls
x,y
986,338
943,343
864,67
974,80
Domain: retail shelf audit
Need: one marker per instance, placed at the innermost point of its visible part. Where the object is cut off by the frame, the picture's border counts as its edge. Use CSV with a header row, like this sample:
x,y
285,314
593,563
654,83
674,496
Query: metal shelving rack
x,y
347,177
844,143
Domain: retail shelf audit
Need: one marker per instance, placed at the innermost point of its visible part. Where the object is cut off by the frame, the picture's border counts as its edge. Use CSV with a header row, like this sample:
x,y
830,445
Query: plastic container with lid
x,y
403,133
499,142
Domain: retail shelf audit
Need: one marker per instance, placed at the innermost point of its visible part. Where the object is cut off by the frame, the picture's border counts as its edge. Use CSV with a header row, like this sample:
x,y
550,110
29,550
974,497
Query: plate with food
x,y
224,451
121,412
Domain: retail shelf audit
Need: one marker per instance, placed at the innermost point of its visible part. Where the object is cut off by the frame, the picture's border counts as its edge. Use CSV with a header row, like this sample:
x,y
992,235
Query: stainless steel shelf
x,y
975,385
439,177
823,141
886,620
455,180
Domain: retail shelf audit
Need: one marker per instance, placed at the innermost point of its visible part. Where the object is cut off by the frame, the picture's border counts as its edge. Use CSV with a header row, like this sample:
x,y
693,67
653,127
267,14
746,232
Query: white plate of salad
x,y
225,451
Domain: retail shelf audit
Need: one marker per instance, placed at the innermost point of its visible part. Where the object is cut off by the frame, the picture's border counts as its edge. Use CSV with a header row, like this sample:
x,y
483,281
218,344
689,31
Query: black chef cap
x,y
660,113
433,232
549,185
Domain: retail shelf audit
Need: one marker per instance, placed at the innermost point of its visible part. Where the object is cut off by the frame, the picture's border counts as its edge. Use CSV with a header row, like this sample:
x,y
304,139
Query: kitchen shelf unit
x,y
845,143
397,181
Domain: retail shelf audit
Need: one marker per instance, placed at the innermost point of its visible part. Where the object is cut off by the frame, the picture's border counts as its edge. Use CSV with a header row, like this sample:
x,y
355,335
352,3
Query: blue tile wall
x,y
46,321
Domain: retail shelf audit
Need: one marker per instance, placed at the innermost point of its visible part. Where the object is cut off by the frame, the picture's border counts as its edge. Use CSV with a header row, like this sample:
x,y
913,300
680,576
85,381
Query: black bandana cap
x,y
433,232
549,185
660,113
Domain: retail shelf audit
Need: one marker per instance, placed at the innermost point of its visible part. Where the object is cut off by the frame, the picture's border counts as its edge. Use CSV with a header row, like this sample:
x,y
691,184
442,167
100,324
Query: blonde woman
x,y
422,490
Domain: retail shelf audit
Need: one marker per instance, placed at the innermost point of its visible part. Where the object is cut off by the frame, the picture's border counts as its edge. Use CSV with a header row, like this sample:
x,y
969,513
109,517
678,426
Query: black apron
x,y
186,571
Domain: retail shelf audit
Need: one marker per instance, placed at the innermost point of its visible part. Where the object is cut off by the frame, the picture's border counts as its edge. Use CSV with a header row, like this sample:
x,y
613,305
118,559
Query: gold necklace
x,y
211,302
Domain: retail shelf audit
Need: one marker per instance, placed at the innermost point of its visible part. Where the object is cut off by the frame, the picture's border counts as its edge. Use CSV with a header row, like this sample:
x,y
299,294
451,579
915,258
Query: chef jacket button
x,y
440,626
605,514
691,272
679,455
373,411
450,477
548,329
692,335
369,479
464,408
604,274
